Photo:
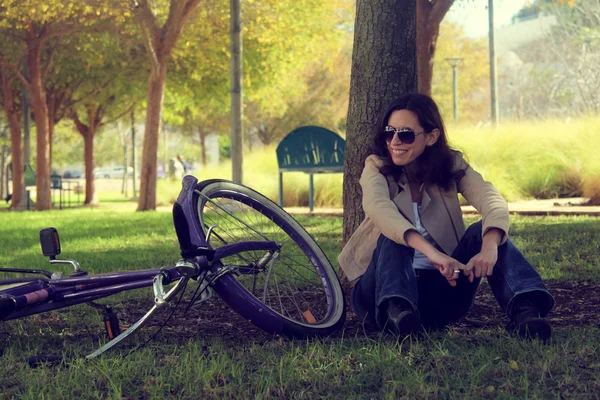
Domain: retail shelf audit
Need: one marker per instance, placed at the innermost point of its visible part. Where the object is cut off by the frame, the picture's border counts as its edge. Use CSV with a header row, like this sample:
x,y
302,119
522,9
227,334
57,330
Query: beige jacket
x,y
388,209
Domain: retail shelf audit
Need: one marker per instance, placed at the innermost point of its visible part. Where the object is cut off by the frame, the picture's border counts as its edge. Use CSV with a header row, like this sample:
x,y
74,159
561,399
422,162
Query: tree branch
x,y
178,16
14,70
439,9
150,31
120,115
81,127
49,60
98,116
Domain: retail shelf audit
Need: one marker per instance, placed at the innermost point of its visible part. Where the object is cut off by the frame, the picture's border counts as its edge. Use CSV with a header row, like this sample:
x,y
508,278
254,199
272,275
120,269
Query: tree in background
x,y
161,27
4,159
109,72
473,75
28,33
324,102
574,44
11,100
296,55
430,14
558,74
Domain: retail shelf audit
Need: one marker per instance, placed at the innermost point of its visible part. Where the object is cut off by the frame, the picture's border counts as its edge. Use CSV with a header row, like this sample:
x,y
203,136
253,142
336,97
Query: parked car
x,y
118,172
112,172
101,173
72,174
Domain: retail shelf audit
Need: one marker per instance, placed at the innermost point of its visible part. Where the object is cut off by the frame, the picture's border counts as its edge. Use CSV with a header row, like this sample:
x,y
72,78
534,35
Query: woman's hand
x,y
446,265
482,264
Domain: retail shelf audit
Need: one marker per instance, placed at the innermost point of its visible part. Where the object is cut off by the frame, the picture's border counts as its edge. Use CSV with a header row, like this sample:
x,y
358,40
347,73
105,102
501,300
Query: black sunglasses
x,y
405,135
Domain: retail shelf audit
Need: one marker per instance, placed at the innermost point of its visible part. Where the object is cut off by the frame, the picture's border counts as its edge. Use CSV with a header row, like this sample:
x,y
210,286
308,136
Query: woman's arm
x,y
377,204
444,263
487,200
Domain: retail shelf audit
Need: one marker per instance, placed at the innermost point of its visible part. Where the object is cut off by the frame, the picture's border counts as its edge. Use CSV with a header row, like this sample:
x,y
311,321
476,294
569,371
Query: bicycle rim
x,y
300,285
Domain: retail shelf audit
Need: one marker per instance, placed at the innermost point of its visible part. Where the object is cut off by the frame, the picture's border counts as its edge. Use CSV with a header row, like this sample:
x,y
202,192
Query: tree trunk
x,y
3,163
4,157
91,197
383,68
202,134
156,91
124,188
429,17
160,43
88,132
40,109
51,106
18,201
426,43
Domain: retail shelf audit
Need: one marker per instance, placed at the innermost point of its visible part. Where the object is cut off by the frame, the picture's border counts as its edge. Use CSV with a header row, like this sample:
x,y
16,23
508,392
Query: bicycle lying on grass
x,y
233,240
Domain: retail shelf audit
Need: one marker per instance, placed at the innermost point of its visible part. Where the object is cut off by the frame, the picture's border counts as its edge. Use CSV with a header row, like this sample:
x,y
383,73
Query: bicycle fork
x,y
161,299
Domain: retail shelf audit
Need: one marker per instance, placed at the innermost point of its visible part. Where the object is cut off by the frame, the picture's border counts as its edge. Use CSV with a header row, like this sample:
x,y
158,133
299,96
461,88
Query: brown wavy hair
x,y
436,164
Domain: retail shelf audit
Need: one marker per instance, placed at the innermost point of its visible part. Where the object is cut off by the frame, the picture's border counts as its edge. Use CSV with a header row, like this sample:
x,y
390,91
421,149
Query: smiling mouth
x,y
399,152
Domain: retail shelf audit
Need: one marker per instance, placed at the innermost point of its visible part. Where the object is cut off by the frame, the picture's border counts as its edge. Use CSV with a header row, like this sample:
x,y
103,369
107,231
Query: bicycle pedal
x,y
111,323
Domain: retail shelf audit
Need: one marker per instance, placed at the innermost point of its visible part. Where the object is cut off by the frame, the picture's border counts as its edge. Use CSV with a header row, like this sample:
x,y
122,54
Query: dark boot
x,y
526,320
401,319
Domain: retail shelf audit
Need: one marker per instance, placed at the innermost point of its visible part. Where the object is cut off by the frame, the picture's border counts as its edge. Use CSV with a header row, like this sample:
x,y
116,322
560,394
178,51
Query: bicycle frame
x,y
37,295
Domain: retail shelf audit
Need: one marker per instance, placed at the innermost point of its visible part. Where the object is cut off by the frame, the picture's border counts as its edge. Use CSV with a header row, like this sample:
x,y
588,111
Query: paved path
x,y
572,206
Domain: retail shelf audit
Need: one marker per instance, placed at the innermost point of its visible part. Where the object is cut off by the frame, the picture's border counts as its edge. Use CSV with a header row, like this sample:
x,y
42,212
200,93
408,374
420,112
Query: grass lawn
x,y
213,353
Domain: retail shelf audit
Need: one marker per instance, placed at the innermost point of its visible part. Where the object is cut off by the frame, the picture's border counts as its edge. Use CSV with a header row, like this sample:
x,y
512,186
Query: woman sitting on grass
x,y
418,266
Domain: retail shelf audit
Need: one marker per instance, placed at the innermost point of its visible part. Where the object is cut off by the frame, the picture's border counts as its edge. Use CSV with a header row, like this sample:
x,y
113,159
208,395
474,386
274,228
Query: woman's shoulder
x,y
374,168
459,163
374,161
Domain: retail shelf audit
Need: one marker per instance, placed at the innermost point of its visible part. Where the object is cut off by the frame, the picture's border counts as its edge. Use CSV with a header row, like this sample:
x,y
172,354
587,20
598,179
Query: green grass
x,y
487,363
446,366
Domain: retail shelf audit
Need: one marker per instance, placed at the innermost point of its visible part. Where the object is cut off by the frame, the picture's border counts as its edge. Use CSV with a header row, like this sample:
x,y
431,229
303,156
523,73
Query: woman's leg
x,y
390,275
441,304
513,277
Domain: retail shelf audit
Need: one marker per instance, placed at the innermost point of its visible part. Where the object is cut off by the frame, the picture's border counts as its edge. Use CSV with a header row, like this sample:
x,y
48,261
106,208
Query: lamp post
x,y
454,62
493,73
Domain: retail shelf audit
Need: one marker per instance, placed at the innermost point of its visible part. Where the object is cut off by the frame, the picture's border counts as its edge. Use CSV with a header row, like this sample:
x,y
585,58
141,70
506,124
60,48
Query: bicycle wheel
x,y
298,293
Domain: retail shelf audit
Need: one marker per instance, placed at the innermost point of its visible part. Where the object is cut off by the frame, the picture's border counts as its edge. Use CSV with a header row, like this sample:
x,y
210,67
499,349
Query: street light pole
x,y
454,62
493,72
237,131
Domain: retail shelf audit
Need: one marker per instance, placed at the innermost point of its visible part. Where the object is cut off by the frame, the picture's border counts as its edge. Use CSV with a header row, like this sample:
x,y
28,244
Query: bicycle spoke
x,y
291,285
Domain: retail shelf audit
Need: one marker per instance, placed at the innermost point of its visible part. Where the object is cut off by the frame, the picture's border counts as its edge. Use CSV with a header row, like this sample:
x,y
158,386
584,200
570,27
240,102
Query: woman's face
x,y
403,154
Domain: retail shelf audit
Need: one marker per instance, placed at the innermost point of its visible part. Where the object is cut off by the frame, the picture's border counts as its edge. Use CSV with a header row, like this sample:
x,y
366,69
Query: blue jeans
x,y
391,274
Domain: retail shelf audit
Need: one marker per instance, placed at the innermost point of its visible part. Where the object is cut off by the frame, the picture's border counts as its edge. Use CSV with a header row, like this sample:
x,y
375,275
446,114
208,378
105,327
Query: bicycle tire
x,y
298,318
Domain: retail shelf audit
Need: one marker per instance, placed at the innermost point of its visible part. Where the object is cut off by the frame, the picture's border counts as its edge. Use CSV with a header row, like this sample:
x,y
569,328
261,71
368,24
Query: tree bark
x,y
383,68
430,14
40,109
202,133
4,153
50,105
88,132
18,201
156,91
91,197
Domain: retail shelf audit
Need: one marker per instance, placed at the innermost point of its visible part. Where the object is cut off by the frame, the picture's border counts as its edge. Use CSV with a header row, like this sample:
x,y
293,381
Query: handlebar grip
x,y
7,306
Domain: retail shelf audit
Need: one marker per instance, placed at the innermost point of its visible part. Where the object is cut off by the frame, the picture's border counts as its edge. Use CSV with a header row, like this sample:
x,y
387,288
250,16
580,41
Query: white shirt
x,y
421,261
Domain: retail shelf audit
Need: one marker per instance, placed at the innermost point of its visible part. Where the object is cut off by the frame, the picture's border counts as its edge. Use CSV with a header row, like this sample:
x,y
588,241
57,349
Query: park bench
x,y
313,150
59,187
